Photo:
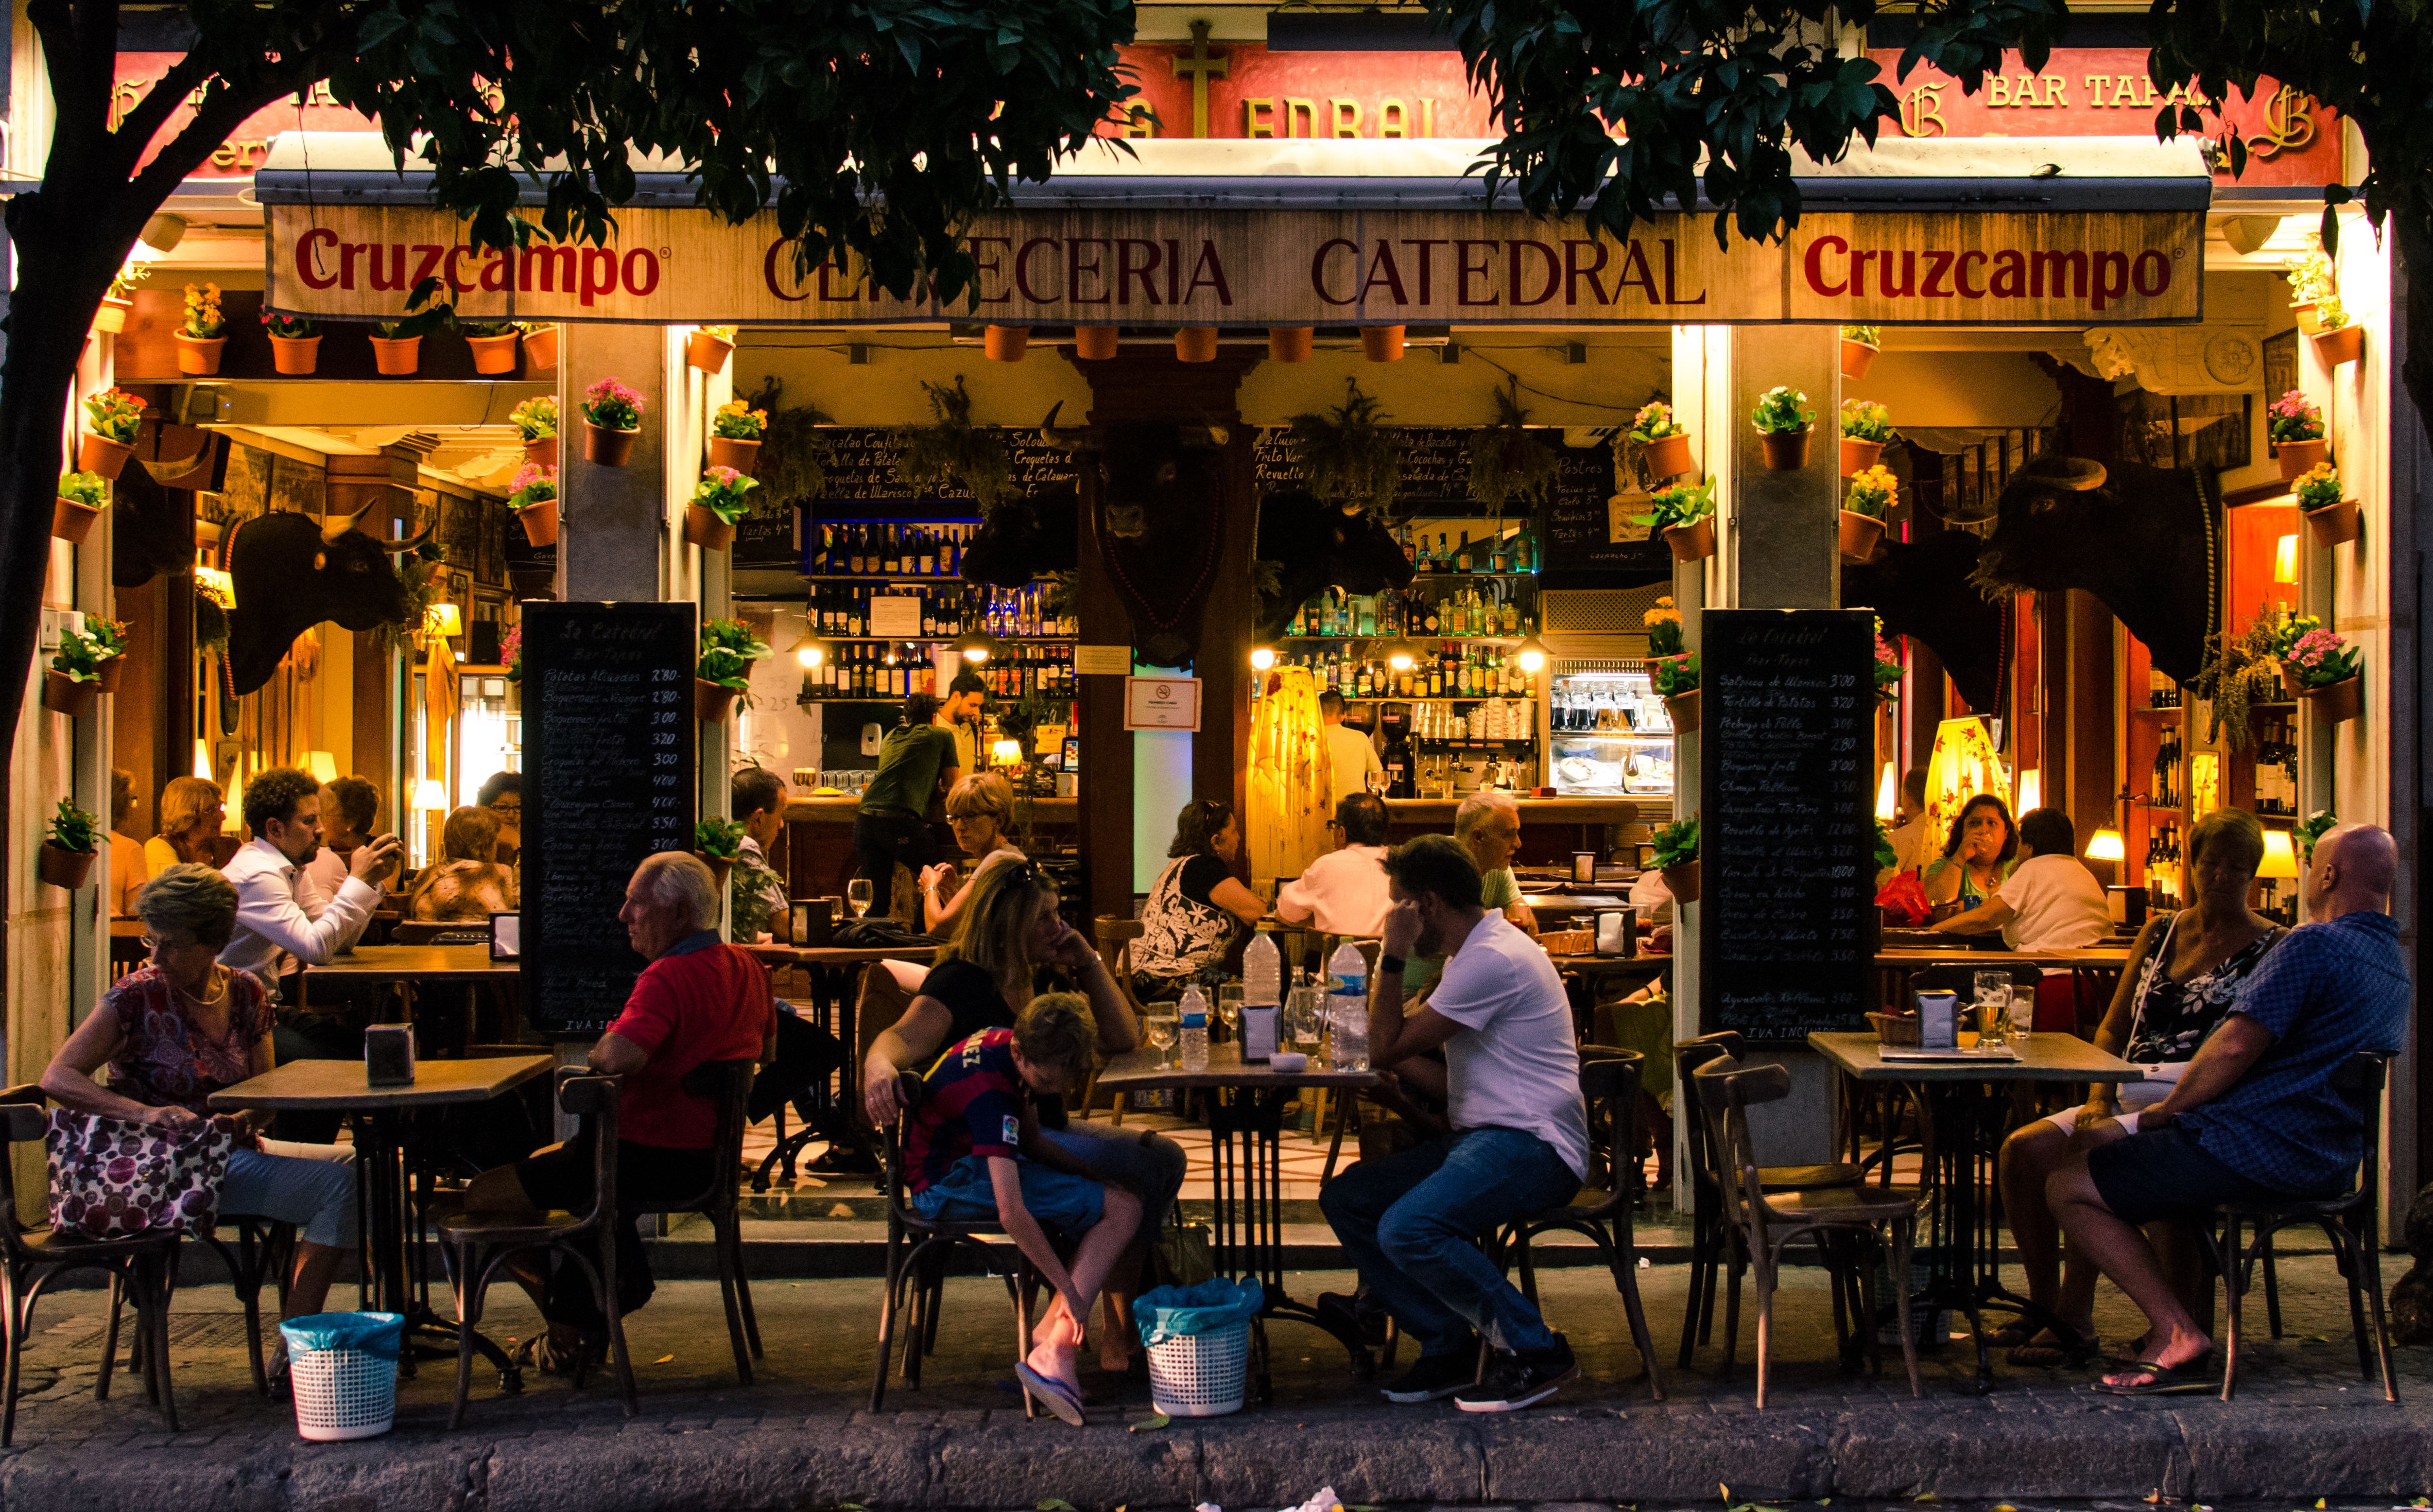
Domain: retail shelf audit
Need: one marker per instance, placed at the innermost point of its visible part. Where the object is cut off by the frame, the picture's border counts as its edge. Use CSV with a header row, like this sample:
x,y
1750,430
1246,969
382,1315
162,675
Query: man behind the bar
x,y
2256,1116
1519,1144
891,826
1354,754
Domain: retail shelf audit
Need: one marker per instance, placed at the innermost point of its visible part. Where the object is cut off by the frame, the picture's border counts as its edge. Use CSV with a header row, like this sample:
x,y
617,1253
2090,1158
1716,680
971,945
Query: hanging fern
x,y
2241,673
955,453
793,455
1506,461
1351,458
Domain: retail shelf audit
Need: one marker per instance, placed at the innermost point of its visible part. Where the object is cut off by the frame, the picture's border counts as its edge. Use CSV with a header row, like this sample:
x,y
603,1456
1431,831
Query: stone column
x,y
608,544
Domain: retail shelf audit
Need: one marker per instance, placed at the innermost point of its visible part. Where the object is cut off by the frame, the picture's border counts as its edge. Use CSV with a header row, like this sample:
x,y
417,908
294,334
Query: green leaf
x,y
1054,1503
1146,1425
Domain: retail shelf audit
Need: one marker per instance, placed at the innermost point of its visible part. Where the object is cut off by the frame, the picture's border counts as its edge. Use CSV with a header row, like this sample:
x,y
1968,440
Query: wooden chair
x,y
1114,936
481,1242
1768,1220
31,1259
726,1085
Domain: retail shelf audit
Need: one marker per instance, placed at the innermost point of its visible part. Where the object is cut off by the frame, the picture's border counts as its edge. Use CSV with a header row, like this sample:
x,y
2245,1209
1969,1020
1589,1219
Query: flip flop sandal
x,y
2013,1334
1051,1393
2167,1380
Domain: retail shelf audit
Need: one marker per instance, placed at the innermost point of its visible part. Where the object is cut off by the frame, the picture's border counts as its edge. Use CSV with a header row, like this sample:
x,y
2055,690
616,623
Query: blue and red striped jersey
x,y
973,1106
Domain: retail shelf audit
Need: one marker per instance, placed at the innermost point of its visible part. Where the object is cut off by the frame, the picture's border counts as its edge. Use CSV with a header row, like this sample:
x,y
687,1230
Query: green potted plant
x,y
1506,461
2340,339
111,318
1676,853
82,498
2310,279
1864,512
1784,424
203,332
735,436
1859,345
729,649
540,344
2296,427
1865,428
1676,682
109,638
1663,623
536,419
1351,460
295,342
493,342
1662,443
68,853
2330,518
709,347
1684,515
2240,673
115,417
73,681
718,505
2329,675
397,345
1888,667
718,843
612,418
953,453
2310,830
533,495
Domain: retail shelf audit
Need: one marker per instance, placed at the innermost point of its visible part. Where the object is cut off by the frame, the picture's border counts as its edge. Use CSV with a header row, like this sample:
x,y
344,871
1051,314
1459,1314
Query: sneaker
x,y
1517,1380
1435,1377
1357,1314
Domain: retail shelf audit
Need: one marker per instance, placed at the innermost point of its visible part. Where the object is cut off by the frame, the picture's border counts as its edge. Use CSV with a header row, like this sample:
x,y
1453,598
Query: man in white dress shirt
x,y
1344,892
285,921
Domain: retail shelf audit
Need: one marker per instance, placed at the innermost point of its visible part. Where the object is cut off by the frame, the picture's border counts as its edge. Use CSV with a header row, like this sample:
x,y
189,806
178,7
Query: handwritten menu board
x,y
1786,915
1436,465
861,461
767,539
609,764
1590,542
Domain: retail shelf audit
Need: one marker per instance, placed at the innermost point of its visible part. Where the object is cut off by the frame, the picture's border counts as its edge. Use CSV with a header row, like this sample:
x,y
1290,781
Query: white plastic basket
x,y
342,1394
1200,1375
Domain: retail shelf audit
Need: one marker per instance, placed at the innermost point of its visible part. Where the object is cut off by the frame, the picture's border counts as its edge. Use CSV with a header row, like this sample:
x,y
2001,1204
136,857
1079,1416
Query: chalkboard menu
x,y
766,539
1436,465
1578,528
1786,847
861,461
609,779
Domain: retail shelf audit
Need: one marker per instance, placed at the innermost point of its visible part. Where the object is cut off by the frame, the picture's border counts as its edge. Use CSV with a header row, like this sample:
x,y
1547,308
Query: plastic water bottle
x,y
1263,972
1192,1030
1347,1007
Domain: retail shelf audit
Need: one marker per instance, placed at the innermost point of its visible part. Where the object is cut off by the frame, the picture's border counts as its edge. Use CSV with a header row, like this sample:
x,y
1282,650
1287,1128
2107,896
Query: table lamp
x,y
2280,858
2106,846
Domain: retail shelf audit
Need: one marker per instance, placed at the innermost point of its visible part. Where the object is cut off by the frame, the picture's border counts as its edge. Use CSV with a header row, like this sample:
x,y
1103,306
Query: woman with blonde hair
x,y
977,810
469,883
192,809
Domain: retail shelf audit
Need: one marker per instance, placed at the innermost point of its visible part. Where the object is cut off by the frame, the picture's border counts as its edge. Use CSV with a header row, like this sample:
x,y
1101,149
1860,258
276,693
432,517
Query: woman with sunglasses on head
x,y
1196,908
976,812
1008,945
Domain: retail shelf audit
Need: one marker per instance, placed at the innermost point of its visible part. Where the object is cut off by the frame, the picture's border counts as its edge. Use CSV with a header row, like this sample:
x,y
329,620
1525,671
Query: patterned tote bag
x,y
115,1179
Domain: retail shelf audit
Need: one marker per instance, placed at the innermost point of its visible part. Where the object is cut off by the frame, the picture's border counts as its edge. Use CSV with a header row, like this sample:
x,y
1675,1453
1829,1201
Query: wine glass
x,y
857,893
1161,1035
1230,998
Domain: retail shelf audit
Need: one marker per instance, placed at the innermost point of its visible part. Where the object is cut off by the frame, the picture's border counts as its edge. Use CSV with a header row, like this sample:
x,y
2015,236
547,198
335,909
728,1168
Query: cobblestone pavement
x,y
2304,1425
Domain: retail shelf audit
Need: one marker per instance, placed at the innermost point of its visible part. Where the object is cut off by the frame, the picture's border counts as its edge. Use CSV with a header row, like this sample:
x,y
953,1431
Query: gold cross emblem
x,y
1201,66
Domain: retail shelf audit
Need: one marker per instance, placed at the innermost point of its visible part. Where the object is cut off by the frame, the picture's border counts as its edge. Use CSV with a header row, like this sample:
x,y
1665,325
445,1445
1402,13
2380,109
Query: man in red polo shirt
x,y
699,1001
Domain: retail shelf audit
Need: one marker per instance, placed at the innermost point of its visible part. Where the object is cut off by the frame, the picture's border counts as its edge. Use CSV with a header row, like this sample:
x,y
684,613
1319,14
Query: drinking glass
x,y
1305,1017
1230,997
1161,1036
856,893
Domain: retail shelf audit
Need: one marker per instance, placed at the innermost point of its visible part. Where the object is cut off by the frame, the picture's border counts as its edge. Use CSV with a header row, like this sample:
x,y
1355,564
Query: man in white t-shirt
x,y
1353,752
2051,901
1519,1142
1343,891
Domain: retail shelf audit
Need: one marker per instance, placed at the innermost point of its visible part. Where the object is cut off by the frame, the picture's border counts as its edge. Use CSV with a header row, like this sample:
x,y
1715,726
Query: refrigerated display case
x,y
1608,734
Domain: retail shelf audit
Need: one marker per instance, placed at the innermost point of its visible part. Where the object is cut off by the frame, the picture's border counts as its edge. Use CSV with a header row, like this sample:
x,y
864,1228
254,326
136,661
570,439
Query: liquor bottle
x,y
928,564
1461,558
1444,555
1431,621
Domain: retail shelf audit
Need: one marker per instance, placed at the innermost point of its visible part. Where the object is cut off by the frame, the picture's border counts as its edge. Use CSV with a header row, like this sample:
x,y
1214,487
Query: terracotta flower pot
x,y
1860,534
1291,343
1856,356
62,694
2332,525
2345,345
493,355
702,528
111,318
1096,343
1682,881
295,355
710,702
540,348
72,521
999,344
721,866
1669,456
2291,684
2298,458
1194,344
2340,703
733,452
196,355
1382,343
1857,456
1693,542
1683,707
106,674
2305,315
539,523
64,868
99,453
609,449
541,452
708,352
1785,450
397,356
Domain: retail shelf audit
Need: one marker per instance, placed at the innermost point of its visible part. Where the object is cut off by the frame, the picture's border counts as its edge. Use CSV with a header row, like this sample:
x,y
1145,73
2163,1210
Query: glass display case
x,y
1608,734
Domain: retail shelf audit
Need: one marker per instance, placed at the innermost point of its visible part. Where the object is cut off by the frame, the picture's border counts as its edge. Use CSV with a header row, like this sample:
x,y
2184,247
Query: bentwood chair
x,y
1769,1220
726,1085
1114,941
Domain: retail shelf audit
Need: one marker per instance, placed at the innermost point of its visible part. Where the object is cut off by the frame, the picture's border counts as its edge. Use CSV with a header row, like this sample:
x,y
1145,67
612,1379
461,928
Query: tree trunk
x,y
2415,239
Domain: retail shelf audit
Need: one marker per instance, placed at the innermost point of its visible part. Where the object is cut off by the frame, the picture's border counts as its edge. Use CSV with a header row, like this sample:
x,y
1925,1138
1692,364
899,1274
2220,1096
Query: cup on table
x,y
1161,1021
1230,997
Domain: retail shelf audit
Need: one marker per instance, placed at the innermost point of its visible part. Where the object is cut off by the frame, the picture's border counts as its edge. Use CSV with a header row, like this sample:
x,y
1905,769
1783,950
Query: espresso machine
x,y
1394,750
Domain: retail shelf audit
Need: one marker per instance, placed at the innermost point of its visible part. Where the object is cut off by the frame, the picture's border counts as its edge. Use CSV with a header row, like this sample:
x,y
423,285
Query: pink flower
x,y
610,388
2293,405
529,474
2313,647
723,476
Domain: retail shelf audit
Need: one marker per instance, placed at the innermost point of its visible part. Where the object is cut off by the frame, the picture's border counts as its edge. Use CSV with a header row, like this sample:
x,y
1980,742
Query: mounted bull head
x,y
152,516
1314,547
2141,539
1159,512
1923,591
1026,538
290,572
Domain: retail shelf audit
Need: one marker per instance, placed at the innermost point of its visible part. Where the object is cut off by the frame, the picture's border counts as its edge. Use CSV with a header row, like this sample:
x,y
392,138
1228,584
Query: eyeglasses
x,y
154,945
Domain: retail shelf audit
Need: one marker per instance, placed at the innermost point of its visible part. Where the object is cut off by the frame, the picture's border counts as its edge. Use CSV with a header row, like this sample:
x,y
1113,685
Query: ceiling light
x,y
973,646
164,231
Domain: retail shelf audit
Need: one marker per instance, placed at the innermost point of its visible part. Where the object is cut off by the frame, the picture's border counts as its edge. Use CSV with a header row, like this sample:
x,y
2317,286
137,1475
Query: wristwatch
x,y
1390,965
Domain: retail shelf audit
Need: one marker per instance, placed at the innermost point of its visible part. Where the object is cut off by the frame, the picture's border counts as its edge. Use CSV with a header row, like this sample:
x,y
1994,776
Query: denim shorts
x,y
1069,1204
2165,1173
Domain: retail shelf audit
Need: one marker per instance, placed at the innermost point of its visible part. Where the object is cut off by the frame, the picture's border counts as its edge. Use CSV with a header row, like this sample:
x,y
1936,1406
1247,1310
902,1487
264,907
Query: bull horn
x,y
413,543
335,527
1061,440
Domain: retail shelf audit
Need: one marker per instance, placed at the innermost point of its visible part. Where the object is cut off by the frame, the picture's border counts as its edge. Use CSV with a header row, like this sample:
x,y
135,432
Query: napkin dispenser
x,y
813,921
1938,1021
1617,932
1259,1031
388,1055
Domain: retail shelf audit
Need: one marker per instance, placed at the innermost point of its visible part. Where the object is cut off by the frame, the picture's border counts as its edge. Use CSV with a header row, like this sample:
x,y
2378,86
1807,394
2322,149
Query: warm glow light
x,y
1262,657
1531,660
2106,846
809,654
430,793
202,758
2032,790
1006,753
1887,795
2280,858
442,619
218,585
1400,655
975,654
2285,560
323,765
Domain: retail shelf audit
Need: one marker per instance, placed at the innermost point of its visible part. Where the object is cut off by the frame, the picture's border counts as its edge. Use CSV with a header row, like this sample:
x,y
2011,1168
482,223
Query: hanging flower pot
x,y
733,452
721,866
2334,524
609,449
1860,534
1291,343
2340,702
1004,344
199,356
539,523
1856,356
63,867
294,356
99,453
1785,450
71,521
62,694
1683,707
540,348
709,347
2305,312
397,356
2346,344
493,355
1693,542
1194,344
2291,684
541,451
2297,458
710,702
1096,343
1382,343
1857,456
111,318
1682,881
106,671
702,528
1669,456
612,417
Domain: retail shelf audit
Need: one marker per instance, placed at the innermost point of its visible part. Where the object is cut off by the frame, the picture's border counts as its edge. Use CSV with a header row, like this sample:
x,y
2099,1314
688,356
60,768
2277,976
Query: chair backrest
x,y
25,1118
1727,1091
440,932
1609,1082
593,1099
726,1086
1688,1056
2359,1079
1963,979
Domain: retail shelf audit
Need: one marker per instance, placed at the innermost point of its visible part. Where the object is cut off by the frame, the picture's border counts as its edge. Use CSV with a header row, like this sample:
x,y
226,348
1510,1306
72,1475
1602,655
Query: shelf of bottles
x,y
2276,766
1609,733
1487,593
887,595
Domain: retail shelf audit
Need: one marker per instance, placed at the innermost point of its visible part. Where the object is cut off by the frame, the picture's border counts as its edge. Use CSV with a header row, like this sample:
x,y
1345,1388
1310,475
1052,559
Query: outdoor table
x,y
833,972
379,1113
1582,972
1246,1126
1967,1122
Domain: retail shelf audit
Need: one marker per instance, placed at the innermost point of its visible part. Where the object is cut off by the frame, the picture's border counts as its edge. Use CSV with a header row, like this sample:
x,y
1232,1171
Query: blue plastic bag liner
x,y
379,1334
1171,1312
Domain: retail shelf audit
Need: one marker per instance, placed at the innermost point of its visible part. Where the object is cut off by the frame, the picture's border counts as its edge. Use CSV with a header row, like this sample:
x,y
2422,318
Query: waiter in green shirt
x,y
916,765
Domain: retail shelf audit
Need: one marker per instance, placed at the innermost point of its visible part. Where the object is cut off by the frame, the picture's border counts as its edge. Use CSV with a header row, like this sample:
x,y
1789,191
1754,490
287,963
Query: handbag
x,y
114,1179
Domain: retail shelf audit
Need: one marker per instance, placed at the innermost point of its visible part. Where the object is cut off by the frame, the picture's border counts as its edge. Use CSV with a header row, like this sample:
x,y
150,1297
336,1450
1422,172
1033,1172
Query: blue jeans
x,y
1412,1223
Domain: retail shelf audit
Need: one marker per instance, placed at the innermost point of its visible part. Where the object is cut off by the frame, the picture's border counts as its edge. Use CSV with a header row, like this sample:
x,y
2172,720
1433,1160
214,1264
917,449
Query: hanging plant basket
x,y
1860,535
1669,456
710,702
1682,881
493,355
111,318
99,453
609,449
733,452
1194,344
106,673
539,523
709,352
62,694
1785,450
2340,703
702,528
294,356
1856,356
72,521
397,356
540,348
1096,343
198,355
1382,343
2335,524
2298,458
64,868
2346,344
1291,343
1857,456
1693,542
998,344
1683,707
541,451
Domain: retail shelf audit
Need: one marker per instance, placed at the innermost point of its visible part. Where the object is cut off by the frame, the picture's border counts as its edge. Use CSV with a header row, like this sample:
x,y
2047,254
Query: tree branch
x,y
219,115
140,125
